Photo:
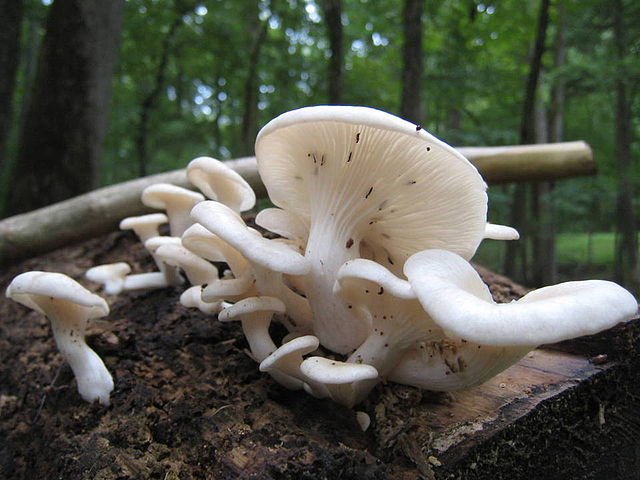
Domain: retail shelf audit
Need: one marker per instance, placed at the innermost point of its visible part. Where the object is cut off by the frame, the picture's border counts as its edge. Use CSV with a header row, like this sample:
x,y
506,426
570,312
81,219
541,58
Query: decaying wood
x,y
100,211
91,214
190,403
530,163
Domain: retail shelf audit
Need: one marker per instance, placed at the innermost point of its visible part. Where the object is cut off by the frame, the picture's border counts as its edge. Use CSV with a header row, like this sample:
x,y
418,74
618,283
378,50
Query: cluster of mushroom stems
x,y
376,221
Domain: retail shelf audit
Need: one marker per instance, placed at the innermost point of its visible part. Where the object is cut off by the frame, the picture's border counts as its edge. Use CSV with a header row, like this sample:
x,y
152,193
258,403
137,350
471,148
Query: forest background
x,y
94,92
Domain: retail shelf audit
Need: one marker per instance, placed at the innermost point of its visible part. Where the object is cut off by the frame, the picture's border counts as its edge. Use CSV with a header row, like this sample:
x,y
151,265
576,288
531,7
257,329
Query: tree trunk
x,y
517,250
543,238
150,100
411,103
546,271
11,12
332,10
249,129
626,253
62,136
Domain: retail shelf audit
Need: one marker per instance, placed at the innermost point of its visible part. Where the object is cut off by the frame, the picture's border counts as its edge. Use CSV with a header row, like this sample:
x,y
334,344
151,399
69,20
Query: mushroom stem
x,y
337,327
69,325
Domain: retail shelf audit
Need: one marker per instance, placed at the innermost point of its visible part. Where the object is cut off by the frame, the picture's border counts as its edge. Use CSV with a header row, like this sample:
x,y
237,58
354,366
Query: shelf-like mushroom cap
x,y
204,243
454,296
402,189
30,287
227,224
145,226
251,305
219,182
333,372
288,356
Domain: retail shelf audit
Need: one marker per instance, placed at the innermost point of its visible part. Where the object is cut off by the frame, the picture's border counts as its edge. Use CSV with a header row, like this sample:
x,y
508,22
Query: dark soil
x,y
188,403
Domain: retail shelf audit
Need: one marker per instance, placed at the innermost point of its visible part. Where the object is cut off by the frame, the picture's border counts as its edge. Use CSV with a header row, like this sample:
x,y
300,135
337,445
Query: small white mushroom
x,y
339,377
255,313
177,202
192,298
288,358
219,182
144,226
205,244
111,276
69,306
269,260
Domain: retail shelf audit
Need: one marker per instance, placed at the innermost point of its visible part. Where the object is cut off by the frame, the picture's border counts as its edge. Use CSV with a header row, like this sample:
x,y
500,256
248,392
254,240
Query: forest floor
x,y
190,403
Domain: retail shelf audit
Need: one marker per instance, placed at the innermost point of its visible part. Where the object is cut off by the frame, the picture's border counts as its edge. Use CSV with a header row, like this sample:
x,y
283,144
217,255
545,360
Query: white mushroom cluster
x,y
376,221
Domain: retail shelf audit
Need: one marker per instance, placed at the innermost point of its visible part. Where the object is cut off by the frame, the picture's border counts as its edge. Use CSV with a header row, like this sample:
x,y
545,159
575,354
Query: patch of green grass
x,y
596,250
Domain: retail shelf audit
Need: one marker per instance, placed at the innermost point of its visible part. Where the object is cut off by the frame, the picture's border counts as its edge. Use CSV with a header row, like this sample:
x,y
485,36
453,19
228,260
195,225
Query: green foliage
x,y
476,60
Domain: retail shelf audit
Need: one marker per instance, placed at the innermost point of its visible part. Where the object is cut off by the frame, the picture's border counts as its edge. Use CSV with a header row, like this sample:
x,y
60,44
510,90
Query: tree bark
x,y
332,10
626,253
11,12
411,101
546,267
62,136
517,250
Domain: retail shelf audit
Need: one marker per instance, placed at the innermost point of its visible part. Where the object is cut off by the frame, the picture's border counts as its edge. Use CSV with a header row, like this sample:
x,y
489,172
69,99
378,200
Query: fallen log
x,y
100,211
532,163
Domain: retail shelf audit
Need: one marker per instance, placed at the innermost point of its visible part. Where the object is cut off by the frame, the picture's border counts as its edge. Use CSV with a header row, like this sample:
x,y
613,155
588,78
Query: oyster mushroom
x,y
255,313
219,182
110,275
269,260
69,306
405,345
368,185
453,295
177,202
144,226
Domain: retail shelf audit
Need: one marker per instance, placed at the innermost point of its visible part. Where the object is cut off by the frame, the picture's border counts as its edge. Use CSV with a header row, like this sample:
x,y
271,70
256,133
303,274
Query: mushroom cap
x,y
454,296
152,219
227,224
251,305
156,242
111,275
404,189
283,223
203,243
109,271
28,286
362,270
221,183
333,372
160,195
297,347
